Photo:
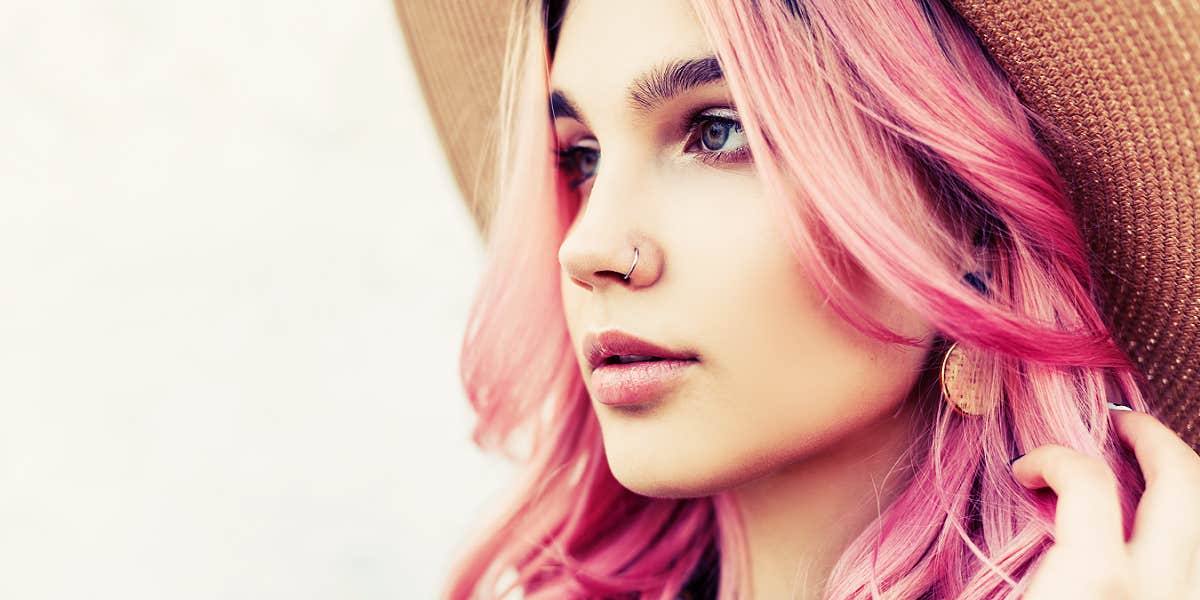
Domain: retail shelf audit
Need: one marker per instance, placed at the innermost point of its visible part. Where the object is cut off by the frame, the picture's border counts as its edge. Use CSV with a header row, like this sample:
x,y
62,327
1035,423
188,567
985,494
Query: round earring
x,y
960,382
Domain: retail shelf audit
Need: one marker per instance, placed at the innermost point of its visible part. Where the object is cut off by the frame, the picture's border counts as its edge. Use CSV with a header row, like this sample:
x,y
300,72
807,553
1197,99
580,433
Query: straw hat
x,y
1120,77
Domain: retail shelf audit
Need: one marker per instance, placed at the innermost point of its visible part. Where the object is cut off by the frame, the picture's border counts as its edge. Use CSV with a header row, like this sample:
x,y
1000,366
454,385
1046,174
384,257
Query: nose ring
x,y
634,265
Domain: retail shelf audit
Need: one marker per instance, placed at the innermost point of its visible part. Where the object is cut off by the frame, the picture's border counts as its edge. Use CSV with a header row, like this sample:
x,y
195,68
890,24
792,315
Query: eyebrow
x,y
651,89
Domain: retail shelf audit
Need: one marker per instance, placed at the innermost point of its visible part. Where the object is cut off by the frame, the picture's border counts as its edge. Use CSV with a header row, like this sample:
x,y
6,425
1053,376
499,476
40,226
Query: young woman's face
x,y
779,375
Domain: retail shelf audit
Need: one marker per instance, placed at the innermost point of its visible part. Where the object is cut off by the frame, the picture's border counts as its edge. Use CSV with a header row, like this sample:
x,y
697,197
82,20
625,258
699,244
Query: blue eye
x,y
711,133
716,131
580,160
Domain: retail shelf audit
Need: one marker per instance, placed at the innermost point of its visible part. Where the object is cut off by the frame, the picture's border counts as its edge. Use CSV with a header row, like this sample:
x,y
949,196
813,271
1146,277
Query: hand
x,y
1090,557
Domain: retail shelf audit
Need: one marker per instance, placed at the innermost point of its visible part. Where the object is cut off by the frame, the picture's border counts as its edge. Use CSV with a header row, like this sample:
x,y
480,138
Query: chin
x,y
661,475
666,488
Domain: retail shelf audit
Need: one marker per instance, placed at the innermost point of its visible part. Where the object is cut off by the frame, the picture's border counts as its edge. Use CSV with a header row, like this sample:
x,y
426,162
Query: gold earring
x,y
960,385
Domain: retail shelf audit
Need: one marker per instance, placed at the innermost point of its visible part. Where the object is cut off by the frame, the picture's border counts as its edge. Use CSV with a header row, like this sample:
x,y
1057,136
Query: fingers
x,y
1160,452
1166,528
1164,550
1088,513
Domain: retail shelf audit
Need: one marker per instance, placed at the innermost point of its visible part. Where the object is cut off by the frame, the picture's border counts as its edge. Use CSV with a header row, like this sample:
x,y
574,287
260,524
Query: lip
x,y
613,342
617,384
634,383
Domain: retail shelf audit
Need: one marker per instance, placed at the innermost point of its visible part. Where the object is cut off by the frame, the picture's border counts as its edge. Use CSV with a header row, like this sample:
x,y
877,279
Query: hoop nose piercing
x,y
634,265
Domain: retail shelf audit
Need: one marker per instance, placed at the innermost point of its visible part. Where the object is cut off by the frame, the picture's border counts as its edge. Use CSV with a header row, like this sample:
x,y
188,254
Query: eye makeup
x,y
702,130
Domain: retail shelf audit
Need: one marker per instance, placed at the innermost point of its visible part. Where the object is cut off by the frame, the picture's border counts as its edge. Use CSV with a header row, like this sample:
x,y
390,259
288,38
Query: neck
x,y
800,518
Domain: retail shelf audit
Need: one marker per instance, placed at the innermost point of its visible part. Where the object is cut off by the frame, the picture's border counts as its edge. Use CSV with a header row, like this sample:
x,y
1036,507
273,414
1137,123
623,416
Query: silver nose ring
x,y
634,265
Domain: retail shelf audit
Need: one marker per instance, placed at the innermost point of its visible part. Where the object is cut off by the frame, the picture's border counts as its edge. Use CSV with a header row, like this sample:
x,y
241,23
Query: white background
x,y
234,275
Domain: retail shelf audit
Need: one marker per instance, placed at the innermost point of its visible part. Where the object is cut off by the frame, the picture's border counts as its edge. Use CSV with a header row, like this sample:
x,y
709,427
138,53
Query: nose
x,y
608,246
595,265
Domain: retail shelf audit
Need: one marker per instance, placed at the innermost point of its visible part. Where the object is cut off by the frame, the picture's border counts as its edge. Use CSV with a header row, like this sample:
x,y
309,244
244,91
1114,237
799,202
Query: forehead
x,y
604,44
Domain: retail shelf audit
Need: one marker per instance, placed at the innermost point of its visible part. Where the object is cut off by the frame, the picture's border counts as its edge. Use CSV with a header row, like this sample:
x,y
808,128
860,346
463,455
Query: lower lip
x,y
633,383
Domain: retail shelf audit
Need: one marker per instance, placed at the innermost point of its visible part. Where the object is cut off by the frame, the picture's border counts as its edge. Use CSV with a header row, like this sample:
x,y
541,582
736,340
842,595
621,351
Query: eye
x,y
718,137
579,161
714,133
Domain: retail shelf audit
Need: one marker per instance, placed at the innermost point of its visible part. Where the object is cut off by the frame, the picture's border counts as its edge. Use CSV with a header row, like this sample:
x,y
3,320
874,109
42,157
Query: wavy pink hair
x,y
881,129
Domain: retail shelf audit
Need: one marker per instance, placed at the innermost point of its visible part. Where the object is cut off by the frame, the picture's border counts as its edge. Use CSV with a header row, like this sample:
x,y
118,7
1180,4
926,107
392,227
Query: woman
x,y
825,288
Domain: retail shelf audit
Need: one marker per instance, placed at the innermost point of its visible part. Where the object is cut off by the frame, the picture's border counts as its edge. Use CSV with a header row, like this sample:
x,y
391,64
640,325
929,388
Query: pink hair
x,y
828,92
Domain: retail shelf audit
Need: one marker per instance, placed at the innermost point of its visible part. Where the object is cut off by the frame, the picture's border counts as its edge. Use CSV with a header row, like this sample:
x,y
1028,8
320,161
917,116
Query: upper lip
x,y
599,346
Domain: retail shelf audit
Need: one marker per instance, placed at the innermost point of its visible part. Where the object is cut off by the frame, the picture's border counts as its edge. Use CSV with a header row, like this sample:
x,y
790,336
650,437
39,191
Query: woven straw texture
x,y
1120,78
457,49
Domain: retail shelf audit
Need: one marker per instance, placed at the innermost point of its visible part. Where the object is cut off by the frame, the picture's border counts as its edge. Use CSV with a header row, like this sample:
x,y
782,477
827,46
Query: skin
x,y
800,413
1091,557
796,413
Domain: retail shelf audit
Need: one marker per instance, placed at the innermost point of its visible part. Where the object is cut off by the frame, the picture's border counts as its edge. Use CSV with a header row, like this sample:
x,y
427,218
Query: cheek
x,y
790,346
783,374
765,326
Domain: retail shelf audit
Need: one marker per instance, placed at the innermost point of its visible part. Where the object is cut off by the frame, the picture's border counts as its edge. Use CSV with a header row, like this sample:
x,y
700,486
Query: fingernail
x,y
1112,406
1014,459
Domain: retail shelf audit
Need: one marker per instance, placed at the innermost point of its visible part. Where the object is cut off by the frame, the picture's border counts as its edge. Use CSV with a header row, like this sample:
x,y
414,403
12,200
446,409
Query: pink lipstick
x,y
628,370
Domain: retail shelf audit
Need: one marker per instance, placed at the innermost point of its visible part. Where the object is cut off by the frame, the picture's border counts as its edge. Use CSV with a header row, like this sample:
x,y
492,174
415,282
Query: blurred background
x,y
234,277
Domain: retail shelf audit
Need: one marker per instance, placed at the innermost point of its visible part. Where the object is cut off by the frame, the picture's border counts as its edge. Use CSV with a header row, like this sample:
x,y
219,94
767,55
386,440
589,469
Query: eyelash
x,y
693,135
